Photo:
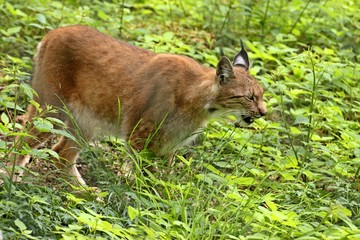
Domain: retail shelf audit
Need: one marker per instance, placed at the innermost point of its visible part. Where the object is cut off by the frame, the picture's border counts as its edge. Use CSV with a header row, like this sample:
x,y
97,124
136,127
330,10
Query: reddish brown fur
x,y
169,94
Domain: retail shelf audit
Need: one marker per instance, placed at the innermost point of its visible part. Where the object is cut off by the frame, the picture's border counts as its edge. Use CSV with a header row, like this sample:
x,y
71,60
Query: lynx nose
x,y
262,109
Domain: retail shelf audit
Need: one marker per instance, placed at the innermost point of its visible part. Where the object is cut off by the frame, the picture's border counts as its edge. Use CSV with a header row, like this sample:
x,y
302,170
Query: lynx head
x,y
238,93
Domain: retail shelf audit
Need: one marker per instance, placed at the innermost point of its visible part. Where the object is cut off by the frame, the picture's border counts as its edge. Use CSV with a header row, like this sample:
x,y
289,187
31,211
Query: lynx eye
x,y
253,98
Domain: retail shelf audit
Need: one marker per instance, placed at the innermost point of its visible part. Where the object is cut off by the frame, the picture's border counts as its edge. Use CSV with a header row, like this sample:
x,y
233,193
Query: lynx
x,y
157,101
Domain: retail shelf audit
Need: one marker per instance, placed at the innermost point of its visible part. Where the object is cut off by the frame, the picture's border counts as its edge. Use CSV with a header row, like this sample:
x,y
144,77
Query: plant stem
x,y
264,20
248,18
312,22
311,126
300,15
16,140
170,14
121,18
226,17
312,102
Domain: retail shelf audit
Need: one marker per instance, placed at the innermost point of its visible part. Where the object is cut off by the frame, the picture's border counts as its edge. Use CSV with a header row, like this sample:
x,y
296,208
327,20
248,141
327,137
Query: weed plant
x,y
292,175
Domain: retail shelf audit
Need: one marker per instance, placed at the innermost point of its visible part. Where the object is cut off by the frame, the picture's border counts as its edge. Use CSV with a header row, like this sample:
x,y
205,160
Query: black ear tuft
x,y
241,59
224,70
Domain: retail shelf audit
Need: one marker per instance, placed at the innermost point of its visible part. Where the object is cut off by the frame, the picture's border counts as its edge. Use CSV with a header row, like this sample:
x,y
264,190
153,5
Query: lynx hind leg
x,y
68,151
35,139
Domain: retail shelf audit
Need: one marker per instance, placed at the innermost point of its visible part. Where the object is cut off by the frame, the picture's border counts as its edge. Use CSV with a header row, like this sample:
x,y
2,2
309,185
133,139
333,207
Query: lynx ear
x,y
224,70
241,59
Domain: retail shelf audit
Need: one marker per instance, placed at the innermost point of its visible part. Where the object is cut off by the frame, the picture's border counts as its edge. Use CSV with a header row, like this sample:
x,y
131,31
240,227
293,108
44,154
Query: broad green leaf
x,y
243,181
295,130
317,138
43,125
205,178
75,199
167,36
102,15
39,199
182,224
223,164
133,213
212,169
10,8
5,119
87,219
41,18
20,225
35,104
13,30
297,92
271,205
301,119
287,176
278,216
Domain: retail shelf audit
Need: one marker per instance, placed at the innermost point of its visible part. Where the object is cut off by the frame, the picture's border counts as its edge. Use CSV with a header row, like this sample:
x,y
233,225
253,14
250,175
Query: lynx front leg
x,y
68,151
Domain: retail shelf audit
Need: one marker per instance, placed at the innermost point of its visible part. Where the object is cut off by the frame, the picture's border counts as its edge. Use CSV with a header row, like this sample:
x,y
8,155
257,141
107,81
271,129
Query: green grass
x,y
293,175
